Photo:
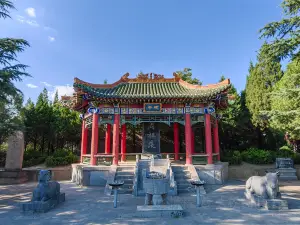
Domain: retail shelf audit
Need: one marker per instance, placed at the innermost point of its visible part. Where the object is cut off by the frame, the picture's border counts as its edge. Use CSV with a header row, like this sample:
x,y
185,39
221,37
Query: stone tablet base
x,y
39,206
9,176
287,174
147,211
269,204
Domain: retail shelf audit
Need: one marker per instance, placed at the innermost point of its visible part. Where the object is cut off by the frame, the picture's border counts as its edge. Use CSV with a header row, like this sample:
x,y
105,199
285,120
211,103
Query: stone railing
x,y
135,178
104,159
110,179
195,177
173,184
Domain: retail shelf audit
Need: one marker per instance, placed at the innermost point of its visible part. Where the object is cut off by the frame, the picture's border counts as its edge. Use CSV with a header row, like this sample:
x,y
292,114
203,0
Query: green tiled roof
x,y
153,90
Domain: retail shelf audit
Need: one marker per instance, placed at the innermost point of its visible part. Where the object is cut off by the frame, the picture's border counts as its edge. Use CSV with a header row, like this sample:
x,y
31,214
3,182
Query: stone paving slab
x,y
88,205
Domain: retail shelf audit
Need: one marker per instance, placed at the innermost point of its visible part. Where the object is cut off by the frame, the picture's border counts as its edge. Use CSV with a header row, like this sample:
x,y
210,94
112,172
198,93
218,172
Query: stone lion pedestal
x,y
269,204
263,191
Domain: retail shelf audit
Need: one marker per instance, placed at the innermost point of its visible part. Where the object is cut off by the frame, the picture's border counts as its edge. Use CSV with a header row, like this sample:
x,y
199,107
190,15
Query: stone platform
x,y
11,176
287,174
174,211
269,204
39,206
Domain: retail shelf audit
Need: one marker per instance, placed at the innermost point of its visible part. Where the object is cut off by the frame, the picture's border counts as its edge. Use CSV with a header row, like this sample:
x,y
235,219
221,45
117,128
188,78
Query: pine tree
x,y
11,71
56,100
260,83
187,75
285,102
283,36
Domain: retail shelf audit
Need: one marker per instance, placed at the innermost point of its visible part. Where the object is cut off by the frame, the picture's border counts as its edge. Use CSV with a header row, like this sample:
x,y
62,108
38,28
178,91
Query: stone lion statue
x,y
46,189
264,186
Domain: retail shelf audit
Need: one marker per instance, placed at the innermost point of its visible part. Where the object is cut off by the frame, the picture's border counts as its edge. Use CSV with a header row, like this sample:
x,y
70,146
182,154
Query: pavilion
x,y
148,99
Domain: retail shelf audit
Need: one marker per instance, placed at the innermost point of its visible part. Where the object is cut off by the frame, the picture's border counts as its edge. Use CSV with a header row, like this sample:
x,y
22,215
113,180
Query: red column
x,y
94,145
107,138
123,142
216,139
208,141
188,138
84,138
116,138
193,143
176,141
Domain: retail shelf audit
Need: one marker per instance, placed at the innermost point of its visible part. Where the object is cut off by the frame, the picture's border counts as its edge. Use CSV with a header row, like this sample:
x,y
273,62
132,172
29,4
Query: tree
x,y
5,6
283,35
186,75
10,72
55,101
285,102
260,82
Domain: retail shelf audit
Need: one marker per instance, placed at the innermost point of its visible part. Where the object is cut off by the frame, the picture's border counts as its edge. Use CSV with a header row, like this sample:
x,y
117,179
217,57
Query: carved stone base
x,y
9,176
147,211
269,204
39,206
276,204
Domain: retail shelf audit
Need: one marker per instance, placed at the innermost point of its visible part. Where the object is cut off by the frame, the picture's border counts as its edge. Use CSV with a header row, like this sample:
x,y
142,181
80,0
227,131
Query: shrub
x,y
285,148
284,152
33,158
61,158
258,156
296,158
233,157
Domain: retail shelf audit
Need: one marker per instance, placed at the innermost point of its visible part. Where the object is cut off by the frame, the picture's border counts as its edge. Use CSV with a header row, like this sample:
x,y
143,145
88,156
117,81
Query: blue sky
x,y
96,40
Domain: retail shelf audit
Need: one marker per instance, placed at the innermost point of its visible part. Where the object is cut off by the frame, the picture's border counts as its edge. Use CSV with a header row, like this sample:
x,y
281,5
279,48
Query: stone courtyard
x,y
88,205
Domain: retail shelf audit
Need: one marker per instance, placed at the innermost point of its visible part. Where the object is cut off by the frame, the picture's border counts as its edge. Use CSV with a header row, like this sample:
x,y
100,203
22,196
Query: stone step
x,y
125,169
290,173
179,169
125,173
182,175
183,181
125,190
124,177
128,181
183,186
288,177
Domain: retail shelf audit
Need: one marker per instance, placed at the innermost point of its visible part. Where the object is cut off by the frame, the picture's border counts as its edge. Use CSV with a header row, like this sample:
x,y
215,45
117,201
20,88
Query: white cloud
x,y
61,90
46,28
32,23
46,84
21,18
51,39
30,12
31,86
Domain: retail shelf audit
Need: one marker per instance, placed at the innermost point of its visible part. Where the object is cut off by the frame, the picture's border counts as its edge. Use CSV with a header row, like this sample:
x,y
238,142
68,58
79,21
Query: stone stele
x,y
15,152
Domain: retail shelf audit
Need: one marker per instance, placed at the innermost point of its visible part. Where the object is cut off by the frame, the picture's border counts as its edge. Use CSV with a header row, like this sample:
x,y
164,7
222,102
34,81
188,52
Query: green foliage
x,y
50,126
186,75
32,157
257,156
11,71
260,82
284,114
283,36
5,6
233,157
3,149
296,158
61,158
